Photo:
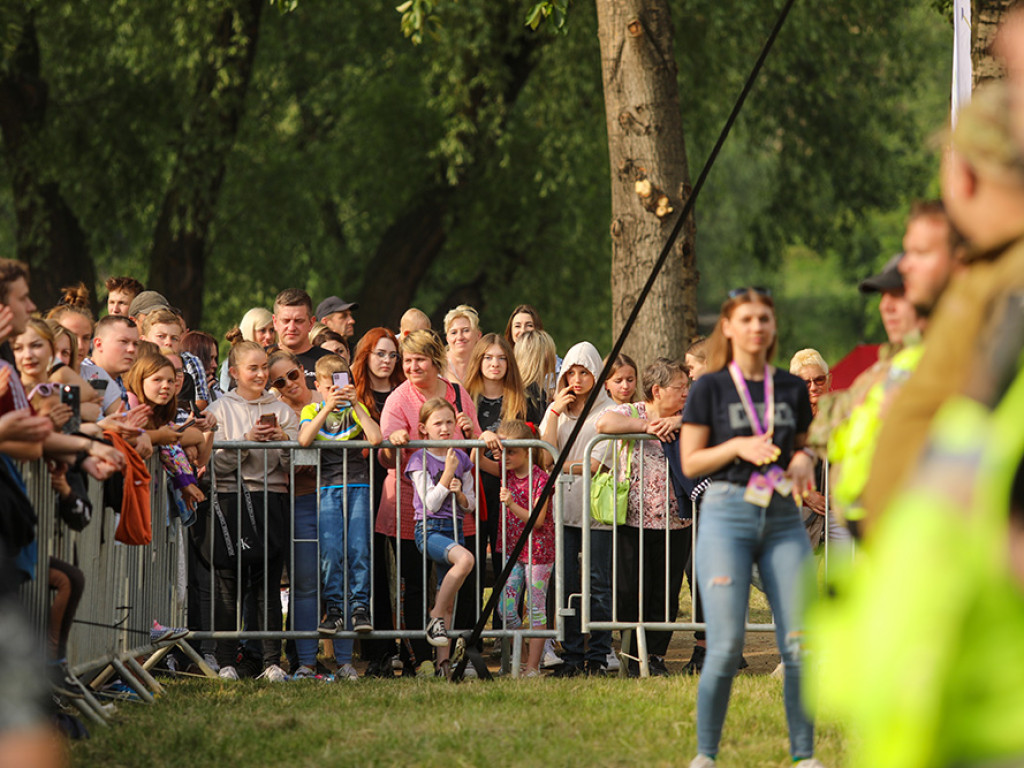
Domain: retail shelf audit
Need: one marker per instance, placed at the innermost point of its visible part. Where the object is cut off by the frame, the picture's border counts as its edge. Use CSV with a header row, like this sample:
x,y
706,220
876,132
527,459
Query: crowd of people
x,y
767,460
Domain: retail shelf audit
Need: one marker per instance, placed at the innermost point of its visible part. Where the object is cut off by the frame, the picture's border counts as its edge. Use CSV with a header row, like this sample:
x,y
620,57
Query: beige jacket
x,y
954,342
235,417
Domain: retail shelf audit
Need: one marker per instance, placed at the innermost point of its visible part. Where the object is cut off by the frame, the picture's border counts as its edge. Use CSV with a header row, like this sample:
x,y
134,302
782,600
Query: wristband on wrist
x,y
810,453
552,410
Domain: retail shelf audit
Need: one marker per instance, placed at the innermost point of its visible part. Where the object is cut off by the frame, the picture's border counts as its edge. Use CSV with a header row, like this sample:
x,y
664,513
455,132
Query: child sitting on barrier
x,y
442,481
344,523
524,479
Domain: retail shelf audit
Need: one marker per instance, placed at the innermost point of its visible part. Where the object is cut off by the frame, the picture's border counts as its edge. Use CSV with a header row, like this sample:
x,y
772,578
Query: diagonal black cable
x,y
556,470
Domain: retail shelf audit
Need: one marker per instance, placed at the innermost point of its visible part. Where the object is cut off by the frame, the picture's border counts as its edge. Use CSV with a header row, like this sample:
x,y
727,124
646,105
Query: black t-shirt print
x,y
308,360
714,402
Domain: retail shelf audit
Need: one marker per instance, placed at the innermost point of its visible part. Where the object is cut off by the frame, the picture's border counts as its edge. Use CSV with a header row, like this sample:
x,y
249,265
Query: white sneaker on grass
x,y
228,673
702,761
211,662
274,674
613,664
810,762
550,659
346,672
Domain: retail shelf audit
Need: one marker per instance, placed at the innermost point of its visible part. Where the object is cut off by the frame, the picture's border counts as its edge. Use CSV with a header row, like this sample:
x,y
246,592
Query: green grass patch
x,y
428,722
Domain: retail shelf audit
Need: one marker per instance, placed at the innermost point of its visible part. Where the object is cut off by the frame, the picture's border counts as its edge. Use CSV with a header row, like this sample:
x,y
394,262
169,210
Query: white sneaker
x,y
702,761
780,671
211,662
227,673
613,664
469,673
346,672
811,762
550,658
274,674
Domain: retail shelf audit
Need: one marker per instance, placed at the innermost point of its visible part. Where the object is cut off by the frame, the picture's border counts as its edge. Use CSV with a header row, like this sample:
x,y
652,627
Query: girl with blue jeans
x,y
744,425
442,482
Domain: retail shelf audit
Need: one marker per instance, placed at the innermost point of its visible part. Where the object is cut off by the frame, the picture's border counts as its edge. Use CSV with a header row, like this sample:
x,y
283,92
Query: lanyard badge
x,y
761,485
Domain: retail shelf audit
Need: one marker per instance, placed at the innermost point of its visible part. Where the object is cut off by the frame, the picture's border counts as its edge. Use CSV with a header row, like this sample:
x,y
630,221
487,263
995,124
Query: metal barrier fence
x,y
229,618
640,626
126,587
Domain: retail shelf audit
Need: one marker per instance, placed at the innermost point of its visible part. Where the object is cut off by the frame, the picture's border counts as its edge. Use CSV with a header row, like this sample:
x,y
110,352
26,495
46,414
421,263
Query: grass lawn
x,y
429,722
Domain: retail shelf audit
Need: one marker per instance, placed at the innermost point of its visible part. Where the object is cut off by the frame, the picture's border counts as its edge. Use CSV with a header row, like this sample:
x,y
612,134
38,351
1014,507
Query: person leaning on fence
x,y
745,421
528,583
377,372
344,496
580,369
251,414
653,507
443,491
422,359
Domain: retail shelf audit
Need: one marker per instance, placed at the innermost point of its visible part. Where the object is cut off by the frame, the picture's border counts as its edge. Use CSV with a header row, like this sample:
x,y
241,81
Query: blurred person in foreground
x,y
929,261
983,188
950,692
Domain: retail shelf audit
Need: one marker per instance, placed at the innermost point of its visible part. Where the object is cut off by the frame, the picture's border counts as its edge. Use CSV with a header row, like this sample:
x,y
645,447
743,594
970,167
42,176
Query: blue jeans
x,y
337,545
440,539
600,645
734,535
304,575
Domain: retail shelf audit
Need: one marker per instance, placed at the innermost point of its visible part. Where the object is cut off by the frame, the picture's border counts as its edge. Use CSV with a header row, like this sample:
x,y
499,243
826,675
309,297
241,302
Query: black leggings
x,y
69,583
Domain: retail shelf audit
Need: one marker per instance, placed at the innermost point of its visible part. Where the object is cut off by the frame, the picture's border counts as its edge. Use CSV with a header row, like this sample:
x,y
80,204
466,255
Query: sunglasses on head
x,y
735,293
292,375
45,389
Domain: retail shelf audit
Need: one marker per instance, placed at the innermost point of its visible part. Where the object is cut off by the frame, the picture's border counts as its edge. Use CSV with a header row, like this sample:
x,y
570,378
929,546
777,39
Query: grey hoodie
x,y
235,417
584,353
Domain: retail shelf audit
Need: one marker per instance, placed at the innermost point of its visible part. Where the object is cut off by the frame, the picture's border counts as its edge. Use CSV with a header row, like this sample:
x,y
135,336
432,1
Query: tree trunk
x,y
177,259
649,176
986,16
49,236
405,254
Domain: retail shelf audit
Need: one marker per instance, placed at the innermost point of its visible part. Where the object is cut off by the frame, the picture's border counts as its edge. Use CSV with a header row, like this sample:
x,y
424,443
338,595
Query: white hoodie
x,y
235,417
584,353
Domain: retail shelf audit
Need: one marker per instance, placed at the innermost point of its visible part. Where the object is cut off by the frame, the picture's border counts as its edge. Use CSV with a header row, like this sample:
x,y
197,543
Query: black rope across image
x,y
465,647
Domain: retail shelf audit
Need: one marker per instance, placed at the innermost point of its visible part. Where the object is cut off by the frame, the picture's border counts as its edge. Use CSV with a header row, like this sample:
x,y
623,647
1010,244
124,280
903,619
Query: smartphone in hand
x,y
70,395
268,420
340,381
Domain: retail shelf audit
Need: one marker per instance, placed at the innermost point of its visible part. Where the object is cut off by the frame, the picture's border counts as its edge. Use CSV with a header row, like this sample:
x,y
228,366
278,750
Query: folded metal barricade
x,y
640,627
406,625
126,588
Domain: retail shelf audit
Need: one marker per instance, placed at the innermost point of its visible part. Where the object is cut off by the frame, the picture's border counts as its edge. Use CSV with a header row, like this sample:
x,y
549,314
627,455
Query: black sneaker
x,y
567,669
743,663
361,619
632,668
696,662
332,622
596,669
657,666
437,634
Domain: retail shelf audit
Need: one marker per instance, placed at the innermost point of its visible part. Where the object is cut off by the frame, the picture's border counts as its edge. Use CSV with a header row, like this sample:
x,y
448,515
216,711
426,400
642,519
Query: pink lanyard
x,y
748,403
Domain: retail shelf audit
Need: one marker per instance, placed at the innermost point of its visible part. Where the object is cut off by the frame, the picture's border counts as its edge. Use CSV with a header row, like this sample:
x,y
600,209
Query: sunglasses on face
x,y
735,293
45,389
817,381
279,382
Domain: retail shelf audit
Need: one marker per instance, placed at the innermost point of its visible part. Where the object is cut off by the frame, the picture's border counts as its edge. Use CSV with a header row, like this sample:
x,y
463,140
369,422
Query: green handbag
x,y
609,498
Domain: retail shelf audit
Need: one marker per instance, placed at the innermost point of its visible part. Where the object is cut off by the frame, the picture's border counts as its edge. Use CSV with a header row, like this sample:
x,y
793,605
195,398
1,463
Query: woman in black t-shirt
x,y
494,383
376,373
744,425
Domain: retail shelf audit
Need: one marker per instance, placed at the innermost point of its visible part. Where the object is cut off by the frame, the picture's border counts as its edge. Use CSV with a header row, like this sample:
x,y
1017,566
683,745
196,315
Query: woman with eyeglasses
x,y
744,425
810,366
376,373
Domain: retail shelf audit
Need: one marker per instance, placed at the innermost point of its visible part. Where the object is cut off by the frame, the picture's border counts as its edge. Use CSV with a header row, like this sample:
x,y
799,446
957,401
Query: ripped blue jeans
x,y
733,536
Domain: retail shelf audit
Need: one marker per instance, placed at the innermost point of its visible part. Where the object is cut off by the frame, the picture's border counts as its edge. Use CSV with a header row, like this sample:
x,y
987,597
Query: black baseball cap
x,y
333,304
889,279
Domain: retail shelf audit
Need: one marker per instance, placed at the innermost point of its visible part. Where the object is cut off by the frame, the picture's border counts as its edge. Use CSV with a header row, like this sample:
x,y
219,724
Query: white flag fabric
x,y
962,70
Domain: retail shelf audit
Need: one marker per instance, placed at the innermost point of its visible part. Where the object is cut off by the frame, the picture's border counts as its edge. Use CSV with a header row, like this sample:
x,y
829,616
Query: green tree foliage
x,y
495,132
